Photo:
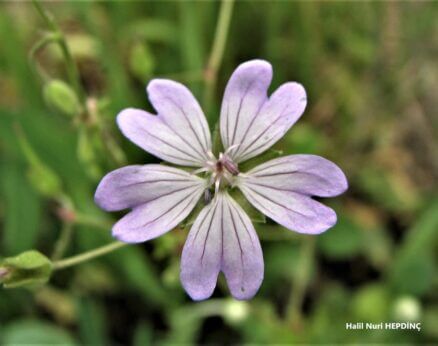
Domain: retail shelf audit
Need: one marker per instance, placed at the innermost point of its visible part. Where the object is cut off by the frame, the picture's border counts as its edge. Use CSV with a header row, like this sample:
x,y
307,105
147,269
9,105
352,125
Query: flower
x,y
222,237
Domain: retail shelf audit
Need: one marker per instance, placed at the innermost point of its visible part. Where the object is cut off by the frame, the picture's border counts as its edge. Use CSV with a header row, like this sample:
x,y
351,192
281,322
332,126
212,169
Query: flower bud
x,y
62,98
28,269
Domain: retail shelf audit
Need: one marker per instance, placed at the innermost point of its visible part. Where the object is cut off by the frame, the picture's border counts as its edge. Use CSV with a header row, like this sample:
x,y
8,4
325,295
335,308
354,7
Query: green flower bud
x,y
62,98
29,269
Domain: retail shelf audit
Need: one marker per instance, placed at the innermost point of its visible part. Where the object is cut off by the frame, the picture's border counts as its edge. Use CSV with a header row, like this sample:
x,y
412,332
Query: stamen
x,y
229,165
231,148
217,184
211,155
200,170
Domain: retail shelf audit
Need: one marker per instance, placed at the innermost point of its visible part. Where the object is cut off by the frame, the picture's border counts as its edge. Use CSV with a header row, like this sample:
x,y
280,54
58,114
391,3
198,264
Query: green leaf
x,y
414,274
92,320
414,268
154,30
21,210
28,269
32,332
61,97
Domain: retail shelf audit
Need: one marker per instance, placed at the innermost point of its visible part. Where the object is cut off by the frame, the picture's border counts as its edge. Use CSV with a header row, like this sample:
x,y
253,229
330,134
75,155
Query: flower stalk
x,y
86,256
217,51
72,71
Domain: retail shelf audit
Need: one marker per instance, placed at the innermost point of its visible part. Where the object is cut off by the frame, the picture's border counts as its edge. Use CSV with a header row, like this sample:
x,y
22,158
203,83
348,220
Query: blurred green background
x,y
370,70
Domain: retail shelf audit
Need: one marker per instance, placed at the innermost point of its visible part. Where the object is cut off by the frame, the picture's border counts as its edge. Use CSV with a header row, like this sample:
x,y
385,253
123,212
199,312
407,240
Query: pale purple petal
x,y
131,186
178,108
306,174
222,238
244,95
250,122
274,119
164,209
282,189
294,211
178,134
201,256
242,261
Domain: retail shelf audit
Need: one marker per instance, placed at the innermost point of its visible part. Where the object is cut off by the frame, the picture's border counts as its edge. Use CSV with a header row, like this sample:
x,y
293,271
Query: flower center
x,y
223,171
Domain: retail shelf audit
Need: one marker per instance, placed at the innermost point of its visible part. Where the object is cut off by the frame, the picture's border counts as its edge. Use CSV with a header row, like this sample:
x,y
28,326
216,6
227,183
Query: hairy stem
x,y
86,256
217,51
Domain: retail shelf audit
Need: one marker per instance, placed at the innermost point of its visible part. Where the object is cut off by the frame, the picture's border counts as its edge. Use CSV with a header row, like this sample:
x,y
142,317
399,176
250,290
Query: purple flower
x,y
222,237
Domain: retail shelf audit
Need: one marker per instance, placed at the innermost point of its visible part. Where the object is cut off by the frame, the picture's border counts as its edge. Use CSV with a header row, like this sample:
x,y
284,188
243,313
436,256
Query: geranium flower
x,y
222,237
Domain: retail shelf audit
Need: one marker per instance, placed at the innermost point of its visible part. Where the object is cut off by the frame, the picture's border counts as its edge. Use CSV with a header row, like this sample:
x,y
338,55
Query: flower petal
x,y
250,122
282,189
178,134
292,210
201,256
164,204
274,119
245,94
242,261
131,186
178,108
305,174
222,238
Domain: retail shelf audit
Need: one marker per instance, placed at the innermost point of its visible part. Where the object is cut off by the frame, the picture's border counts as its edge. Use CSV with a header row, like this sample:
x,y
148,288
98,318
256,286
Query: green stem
x,y
86,256
72,71
217,51
301,280
63,241
33,62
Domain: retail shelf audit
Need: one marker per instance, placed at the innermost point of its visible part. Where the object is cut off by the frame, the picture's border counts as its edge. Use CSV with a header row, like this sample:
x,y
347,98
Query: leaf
x,y
414,269
92,322
21,210
153,30
32,332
